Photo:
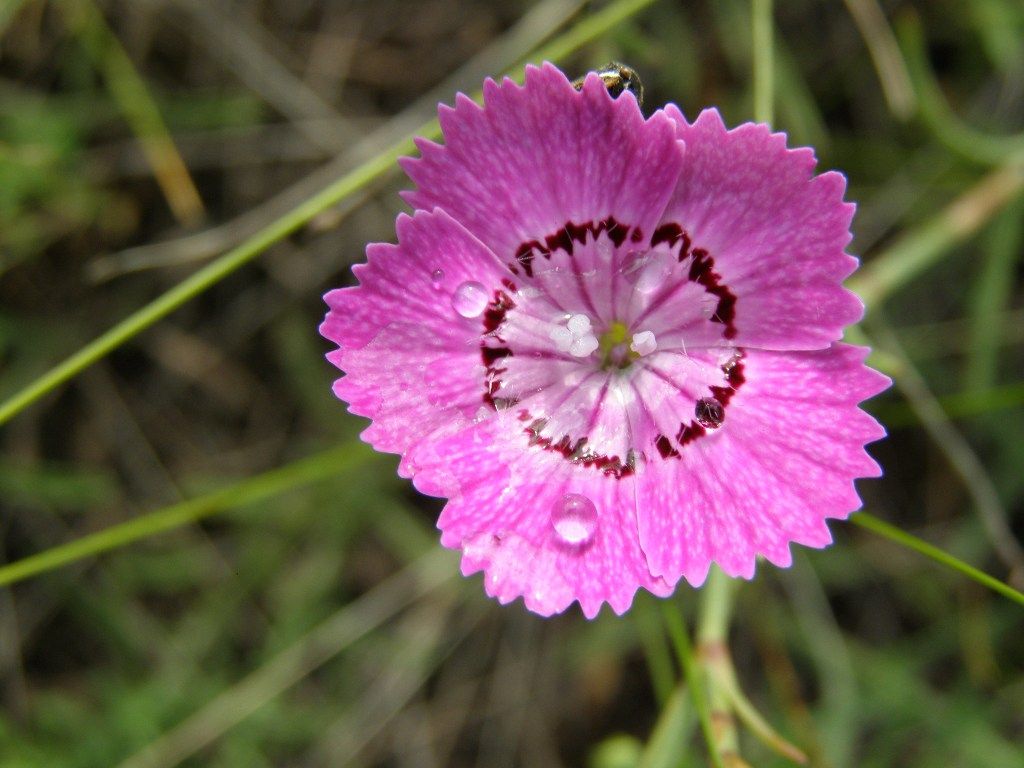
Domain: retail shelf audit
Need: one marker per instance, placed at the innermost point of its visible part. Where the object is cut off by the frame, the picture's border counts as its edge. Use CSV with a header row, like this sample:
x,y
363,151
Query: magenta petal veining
x,y
612,343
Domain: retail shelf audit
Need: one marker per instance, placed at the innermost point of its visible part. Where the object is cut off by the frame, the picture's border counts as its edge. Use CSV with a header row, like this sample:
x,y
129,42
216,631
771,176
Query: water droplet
x,y
709,412
632,265
653,275
470,299
644,343
436,278
647,271
574,519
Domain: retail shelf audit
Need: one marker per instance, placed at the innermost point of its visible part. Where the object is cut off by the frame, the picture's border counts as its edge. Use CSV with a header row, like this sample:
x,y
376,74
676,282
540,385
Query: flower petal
x,y
503,498
413,281
776,232
781,464
411,384
539,155
412,361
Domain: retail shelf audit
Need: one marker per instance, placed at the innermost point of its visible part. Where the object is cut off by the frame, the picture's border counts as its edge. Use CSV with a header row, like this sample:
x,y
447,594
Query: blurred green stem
x,y
656,650
307,654
716,605
138,107
991,296
712,648
354,181
764,69
919,248
891,532
668,745
319,466
885,54
936,114
725,695
672,614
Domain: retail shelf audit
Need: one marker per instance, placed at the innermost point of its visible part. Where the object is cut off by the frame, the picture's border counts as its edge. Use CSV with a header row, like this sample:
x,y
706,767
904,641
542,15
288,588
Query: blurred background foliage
x,y
321,624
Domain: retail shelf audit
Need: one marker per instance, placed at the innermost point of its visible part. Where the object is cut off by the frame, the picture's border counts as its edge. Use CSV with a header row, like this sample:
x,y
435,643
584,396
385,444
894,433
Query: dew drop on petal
x,y
632,266
653,275
709,412
470,299
436,278
574,518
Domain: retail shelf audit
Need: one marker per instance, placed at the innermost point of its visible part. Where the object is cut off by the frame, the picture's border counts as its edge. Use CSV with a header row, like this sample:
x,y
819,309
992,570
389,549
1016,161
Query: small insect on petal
x,y
618,79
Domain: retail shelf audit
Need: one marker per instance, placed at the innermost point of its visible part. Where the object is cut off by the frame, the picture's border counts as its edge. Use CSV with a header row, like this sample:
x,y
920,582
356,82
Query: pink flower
x,y
612,344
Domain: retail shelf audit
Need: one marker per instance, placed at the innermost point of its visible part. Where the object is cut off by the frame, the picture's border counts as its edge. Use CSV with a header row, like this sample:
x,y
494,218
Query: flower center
x,y
612,349
619,348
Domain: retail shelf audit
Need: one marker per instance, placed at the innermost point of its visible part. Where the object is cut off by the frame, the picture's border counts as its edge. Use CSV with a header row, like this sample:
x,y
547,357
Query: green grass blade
x,y
139,108
761,32
308,470
949,129
352,182
891,532
921,247
684,650
310,652
667,746
991,296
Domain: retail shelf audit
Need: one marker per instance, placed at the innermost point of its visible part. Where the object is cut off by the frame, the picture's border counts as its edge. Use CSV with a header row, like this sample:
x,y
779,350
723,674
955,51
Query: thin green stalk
x,y
957,405
277,674
891,532
211,274
954,446
139,109
948,128
764,69
354,181
319,466
991,296
716,606
921,247
677,632
656,651
667,746
713,651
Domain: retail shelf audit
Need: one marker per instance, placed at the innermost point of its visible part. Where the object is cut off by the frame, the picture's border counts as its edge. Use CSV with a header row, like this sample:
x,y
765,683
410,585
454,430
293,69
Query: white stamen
x,y
584,345
579,325
562,337
643,343
575,337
